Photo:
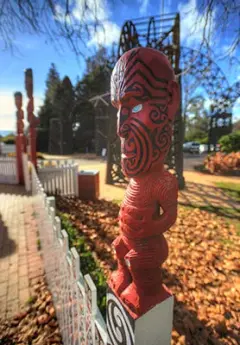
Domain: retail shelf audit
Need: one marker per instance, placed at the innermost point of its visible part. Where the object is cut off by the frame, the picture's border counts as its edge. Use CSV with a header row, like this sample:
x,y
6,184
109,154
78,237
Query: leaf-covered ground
x,y
202,269
36,324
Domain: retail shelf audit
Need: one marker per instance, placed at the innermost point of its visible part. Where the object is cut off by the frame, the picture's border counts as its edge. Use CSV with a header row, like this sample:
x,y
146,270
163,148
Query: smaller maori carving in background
x,y
20,138
20,115
32,119
144,90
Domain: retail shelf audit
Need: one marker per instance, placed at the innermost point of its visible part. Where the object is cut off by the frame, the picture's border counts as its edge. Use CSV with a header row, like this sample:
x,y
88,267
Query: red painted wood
x,y
32,119
20,138
88,186
144,90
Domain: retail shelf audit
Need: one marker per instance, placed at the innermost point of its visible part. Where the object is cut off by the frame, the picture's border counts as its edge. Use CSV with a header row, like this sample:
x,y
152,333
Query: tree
x,y
96,81
230,143
227,20
63,100
75,21
217,18
47,111
52,83
197,121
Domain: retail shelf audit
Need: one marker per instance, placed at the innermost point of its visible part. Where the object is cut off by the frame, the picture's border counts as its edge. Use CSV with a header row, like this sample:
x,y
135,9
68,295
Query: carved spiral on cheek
x,y
120,330
161,138
140,145
124,130
157,116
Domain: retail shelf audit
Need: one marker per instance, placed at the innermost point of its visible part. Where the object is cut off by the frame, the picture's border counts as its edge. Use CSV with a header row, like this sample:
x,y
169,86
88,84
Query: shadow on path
x,y
12,189
7,245
209,198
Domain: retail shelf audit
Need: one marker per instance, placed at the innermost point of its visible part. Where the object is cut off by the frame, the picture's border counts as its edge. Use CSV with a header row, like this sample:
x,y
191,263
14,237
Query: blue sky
x,y
33,51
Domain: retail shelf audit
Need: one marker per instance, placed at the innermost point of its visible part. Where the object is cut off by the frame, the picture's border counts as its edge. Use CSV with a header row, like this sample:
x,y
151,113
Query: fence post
x,y
76,186
91,306
52,202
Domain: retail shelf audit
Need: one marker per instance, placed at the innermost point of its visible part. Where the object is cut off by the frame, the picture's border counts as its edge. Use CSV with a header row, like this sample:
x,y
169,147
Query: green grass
x,y
231,189
34,214
31,300
88,262
227,242
230,215
39,247
117,201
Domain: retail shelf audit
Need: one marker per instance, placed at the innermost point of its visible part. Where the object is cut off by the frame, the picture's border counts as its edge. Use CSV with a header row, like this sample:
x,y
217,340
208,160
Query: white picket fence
x,y
59,179
74,295
8,170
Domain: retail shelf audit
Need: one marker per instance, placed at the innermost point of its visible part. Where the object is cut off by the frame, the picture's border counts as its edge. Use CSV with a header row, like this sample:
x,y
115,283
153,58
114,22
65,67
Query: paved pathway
x,y
20,260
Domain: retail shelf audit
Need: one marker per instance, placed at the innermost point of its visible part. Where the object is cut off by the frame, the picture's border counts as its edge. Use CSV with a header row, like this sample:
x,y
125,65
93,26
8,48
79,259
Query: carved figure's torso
x,y
144,203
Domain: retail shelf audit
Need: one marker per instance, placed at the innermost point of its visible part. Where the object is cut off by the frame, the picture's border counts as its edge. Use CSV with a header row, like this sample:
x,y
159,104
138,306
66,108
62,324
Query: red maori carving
x,y
32,119
20,138
144,90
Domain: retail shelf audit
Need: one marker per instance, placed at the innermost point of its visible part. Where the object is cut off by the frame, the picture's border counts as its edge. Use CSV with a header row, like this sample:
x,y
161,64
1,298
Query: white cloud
x,y
144,6
105,35
96,9
167,6
236,110
8,109
89,12
207,103
192,23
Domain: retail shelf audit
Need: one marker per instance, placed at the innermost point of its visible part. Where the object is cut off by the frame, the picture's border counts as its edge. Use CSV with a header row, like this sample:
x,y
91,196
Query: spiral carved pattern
x,y
158,115
162,138
120,330
139,145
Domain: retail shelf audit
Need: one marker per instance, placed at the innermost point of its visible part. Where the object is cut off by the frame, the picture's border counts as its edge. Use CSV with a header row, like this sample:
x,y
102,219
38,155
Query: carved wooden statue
x,y
20,138
32,119
20,115
146,94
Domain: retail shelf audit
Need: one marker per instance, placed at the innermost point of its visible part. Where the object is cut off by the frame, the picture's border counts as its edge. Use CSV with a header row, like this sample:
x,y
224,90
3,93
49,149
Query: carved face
x,y
141,89
18,99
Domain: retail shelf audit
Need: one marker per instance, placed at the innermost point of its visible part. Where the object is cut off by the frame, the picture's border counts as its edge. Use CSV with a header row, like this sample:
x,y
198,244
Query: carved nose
x,y
123,127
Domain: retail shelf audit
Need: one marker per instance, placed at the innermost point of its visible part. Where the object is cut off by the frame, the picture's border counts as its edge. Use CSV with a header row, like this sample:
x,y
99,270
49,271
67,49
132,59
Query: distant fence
x,y
54,162
59,179
5,149
74,295
8,170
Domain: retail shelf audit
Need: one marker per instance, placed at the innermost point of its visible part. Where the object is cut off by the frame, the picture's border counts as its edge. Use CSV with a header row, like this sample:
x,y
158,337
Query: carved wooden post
x,y
144,90
20,142
32,119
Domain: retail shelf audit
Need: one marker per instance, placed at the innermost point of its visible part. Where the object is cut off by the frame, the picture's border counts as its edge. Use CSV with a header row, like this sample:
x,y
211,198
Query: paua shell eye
x,y
137,108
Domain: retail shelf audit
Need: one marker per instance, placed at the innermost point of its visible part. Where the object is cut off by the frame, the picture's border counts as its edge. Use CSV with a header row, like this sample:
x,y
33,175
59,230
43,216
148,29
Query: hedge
x,y
230,143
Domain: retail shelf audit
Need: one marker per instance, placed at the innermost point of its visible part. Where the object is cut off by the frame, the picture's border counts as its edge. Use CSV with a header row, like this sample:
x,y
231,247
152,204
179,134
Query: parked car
x,y
203,148
192,147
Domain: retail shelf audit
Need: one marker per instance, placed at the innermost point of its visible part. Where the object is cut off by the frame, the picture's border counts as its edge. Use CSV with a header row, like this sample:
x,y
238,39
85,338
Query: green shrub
x,y
230,143
9,139
203,140
88,263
